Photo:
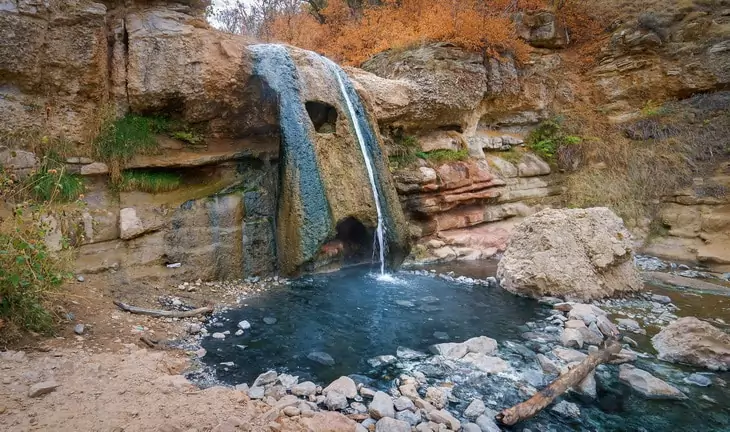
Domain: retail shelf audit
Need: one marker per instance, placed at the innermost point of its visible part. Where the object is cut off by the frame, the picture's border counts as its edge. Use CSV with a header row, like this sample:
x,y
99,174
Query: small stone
x,y
343,385
661,299
256,392
382,360
436,397
367,392
80,278
381,406
444,417
475,409
265,378
335,401
409,417
244,325
322,358
42,388
359,407
239,332
698,380
487,424
566,409
218,335
79,329
387,424
403,403
270,320
292,411
304,389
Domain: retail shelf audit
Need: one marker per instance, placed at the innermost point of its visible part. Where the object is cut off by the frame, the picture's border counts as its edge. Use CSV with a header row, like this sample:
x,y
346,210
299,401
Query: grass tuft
x,y
149,181
52,183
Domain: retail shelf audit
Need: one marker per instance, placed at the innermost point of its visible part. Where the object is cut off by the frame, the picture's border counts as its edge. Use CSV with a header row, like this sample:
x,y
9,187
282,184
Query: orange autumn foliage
x,y
352,36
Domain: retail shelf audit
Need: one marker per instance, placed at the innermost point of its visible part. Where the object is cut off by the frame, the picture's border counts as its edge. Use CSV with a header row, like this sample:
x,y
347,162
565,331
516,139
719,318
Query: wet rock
x,y
42,388
450,350
403,403
568,355
388,424
487,424
698,380
571,337
409,354
441,335
661,299
471,427
321,357
481,345
486,364
591,335
566,409
692,341
548,366
409,417
624,356
244,325
647,384
270,320
343,385
630,325
335,401
265,378
368,392
606,327
79,329
218,335
405,303
381,406
587,387
437,397
444,417
382,360
475,409
304,389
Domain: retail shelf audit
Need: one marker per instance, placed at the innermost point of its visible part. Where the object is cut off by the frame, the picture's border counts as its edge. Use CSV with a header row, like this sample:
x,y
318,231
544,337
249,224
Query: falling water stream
x,y
380,230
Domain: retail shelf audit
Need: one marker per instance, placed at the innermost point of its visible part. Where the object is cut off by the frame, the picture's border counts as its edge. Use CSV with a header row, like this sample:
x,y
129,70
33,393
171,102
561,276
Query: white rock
x,y
343,385
381,406
304,389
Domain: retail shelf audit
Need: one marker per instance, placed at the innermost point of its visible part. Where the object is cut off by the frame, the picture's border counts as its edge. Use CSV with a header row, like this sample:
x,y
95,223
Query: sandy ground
x,y
109,381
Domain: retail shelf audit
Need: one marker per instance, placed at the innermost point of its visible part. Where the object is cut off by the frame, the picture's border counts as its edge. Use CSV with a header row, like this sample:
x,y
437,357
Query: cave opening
x,y
356,240
323,116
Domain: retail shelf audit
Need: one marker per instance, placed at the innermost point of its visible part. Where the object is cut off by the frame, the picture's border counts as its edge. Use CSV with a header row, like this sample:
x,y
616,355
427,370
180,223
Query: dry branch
x,y
546,396
163,313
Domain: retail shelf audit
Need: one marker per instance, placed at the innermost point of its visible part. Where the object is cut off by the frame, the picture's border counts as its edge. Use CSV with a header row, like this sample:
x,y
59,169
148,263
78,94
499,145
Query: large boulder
x,y
577,254
692,341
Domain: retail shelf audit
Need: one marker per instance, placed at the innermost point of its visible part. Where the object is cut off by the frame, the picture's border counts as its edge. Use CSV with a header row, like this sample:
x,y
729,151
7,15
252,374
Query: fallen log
x,y
163,313
546,396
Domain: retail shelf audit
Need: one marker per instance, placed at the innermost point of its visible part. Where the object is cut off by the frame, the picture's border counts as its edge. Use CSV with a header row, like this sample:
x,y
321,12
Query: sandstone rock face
x,y
691,341
579,254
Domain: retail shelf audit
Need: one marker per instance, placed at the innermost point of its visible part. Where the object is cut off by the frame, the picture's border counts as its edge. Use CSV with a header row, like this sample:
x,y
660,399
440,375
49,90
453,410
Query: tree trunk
x,y
546,396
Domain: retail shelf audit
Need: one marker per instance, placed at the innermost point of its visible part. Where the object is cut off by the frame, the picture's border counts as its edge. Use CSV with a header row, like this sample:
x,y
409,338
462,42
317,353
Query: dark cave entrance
x,y
356,239
323,116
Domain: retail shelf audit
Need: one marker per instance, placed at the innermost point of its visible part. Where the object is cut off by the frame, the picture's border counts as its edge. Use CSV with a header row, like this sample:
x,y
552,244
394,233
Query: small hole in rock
x,y
323,116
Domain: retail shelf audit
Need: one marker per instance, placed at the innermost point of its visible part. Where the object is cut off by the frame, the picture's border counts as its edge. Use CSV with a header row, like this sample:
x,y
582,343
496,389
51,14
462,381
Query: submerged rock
x,y
321,358
698,380
486,364
647,384
577,254
692,341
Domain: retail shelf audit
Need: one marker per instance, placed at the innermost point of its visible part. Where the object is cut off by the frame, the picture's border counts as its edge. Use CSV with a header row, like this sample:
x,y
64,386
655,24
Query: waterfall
x,y
356,118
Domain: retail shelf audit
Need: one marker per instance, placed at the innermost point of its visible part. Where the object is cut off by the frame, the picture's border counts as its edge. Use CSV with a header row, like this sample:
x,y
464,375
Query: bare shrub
x,y
652,22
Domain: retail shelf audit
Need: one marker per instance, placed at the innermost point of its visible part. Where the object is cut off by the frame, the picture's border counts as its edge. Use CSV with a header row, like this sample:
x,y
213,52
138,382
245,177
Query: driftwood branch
x,y
163,313
546,396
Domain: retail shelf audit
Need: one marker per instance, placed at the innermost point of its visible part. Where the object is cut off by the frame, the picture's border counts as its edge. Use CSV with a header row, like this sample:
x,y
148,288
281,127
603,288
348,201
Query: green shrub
x,y
188,137
549,137
121,139
29,273
443,155
403,151
149,181
53,183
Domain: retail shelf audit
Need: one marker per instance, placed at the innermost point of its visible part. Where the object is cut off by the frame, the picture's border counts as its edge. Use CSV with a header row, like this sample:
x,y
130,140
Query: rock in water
x,y
381,406
392,425
265,378
692,341
343,385
475,409
567,409
699,380
244,325
270,320
577,254
647,384
321,358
